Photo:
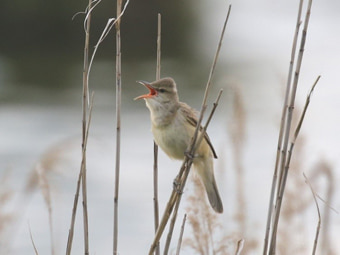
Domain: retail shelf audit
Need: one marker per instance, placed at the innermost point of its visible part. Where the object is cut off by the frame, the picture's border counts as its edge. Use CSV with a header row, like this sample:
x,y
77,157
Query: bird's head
x,y
162,91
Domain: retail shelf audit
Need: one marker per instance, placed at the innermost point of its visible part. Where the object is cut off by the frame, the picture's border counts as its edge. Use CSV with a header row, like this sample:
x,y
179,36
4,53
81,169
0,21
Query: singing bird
x,y
173,126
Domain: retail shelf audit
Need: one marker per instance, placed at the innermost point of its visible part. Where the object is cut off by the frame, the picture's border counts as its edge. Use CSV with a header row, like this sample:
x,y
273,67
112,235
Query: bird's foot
x,y
189,155
177,186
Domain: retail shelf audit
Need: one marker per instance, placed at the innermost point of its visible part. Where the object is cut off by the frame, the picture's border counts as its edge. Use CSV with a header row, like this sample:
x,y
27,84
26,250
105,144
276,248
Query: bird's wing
x,y
191,117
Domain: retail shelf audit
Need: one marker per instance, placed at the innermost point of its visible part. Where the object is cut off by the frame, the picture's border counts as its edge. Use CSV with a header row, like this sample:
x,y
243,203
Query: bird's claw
x,y
189,155
177,186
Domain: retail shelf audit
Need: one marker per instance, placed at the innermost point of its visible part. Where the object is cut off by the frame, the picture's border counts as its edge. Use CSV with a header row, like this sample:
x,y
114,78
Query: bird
x,y
173,126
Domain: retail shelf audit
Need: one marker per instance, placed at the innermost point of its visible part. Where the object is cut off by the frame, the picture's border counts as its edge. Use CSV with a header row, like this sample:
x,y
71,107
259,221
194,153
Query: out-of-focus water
x,y
41,125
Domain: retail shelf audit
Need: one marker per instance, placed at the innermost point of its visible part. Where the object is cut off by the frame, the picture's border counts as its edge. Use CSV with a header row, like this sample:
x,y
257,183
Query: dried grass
x,y
46,192
237,134
7,217
205,225
320,170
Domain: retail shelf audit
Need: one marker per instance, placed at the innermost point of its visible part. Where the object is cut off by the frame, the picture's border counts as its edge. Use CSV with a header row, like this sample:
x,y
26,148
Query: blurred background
x,y
41,60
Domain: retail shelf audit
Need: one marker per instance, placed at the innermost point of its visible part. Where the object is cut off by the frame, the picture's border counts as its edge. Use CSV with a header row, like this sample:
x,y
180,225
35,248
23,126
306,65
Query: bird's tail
x,y
205,169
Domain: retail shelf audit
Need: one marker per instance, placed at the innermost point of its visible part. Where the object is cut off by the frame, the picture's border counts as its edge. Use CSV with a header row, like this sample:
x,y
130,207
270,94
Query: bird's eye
x,y
162,90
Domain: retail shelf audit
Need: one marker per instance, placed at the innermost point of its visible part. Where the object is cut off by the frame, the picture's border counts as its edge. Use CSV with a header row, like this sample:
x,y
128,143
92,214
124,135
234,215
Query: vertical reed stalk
x,y
85,129
281,133
155,146
285,158
84,183
179,244
118,127
75,202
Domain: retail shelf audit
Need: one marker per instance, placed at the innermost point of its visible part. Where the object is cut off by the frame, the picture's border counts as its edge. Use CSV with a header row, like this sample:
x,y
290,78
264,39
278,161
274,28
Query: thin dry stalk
x,y
298,127
32,241
290,151
84,129
297,131
172,225
287,95
155,146
159,40
319,215
212,70
76,197
155,191
239,248
294,208
87,26
184,171
204,129
118,126
87,67
82,174
283,121
179,244
324,169
292,99
45,189
284,167
87,11
237,134
85,212
109,25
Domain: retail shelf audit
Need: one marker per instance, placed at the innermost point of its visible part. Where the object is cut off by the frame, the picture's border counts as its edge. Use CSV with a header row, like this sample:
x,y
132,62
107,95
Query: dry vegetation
x,y
208,234
206,228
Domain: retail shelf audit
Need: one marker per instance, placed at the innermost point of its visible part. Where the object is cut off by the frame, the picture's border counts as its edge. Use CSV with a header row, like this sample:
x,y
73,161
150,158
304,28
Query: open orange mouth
x,y
152,91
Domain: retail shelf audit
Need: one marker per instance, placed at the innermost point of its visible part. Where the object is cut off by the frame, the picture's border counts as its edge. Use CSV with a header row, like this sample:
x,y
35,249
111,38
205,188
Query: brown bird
x,y
173,126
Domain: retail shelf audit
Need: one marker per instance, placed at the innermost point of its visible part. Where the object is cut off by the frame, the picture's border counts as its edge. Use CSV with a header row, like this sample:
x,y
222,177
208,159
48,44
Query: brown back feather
x,y
191,116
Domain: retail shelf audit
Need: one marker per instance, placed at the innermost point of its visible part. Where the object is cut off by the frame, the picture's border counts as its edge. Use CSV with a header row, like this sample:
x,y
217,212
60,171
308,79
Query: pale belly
x,y
172,140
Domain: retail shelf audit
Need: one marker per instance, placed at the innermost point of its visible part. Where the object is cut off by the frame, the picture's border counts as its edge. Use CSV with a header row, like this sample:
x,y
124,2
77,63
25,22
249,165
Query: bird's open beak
x,y
152,91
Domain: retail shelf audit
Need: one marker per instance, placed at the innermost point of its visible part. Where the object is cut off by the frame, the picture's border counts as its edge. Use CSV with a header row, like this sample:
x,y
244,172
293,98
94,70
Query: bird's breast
x,y
173,139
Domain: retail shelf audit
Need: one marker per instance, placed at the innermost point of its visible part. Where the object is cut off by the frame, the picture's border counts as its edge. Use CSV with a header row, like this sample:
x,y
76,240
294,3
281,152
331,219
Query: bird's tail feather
x,y
204,168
